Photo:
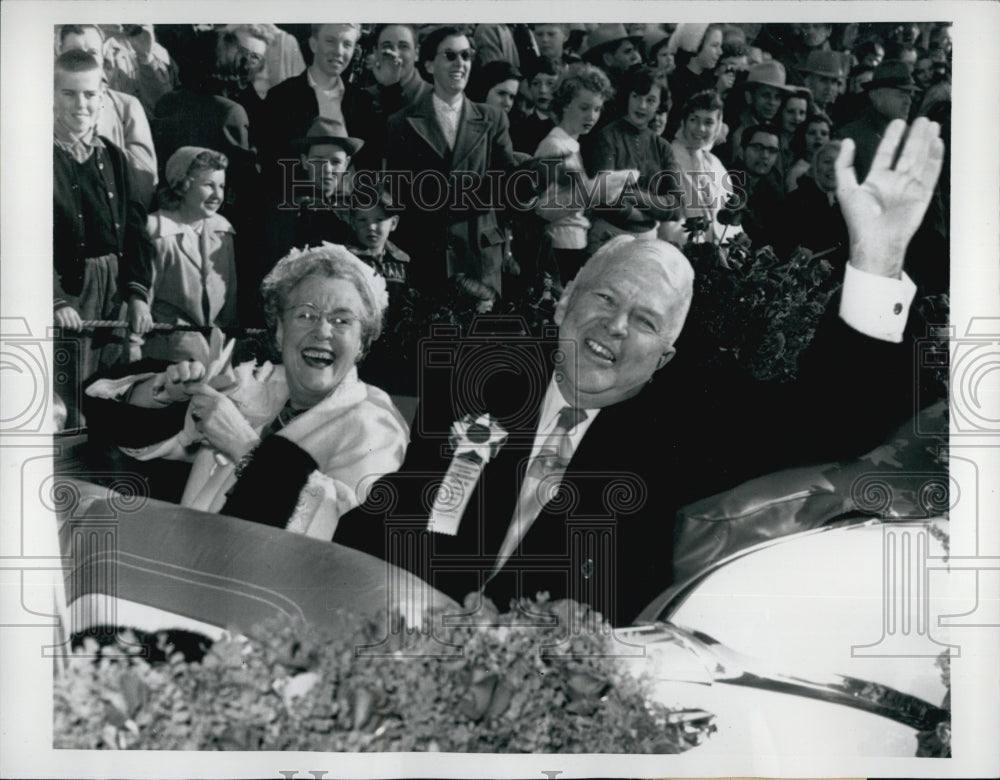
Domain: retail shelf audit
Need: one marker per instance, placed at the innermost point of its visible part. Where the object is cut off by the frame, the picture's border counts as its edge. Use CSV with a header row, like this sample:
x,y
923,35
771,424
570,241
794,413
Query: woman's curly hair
x,y
576,78
332,262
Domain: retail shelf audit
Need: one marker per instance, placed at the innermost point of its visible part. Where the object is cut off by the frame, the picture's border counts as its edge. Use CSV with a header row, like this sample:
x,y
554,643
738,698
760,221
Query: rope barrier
x,y
170,327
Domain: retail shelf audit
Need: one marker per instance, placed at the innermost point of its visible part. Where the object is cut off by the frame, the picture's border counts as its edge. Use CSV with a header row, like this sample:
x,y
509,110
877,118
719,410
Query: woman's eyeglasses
x,y
252,57
306,315
465,54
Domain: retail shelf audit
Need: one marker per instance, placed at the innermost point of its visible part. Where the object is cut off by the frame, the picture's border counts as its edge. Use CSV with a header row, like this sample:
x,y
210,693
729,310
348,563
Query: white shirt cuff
x,y
876,305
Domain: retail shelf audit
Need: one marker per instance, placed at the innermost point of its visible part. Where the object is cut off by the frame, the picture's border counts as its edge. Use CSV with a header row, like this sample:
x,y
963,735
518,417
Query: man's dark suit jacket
x,y
291,106
607,539
451,231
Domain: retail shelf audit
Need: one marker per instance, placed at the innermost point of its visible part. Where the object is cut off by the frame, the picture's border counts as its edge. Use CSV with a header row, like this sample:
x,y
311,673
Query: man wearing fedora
x,y
765,86
824,71
611,48
890,94
313,205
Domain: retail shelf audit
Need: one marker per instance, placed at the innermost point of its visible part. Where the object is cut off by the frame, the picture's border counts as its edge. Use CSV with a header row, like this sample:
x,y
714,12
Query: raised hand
x,y
386,67
142,38
884,212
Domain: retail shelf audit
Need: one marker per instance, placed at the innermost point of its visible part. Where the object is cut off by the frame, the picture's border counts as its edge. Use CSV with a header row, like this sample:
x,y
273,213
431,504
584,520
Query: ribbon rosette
x,y
477,438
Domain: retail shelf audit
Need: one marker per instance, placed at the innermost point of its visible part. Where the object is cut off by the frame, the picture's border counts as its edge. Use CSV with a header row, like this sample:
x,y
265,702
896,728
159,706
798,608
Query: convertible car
x,y
803,619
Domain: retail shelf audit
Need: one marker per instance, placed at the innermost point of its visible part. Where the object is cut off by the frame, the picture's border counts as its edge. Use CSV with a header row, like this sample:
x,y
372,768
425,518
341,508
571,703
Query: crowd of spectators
x,y
189,159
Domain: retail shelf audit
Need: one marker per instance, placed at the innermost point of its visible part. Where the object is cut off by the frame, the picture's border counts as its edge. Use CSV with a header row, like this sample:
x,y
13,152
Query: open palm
x,y
884,212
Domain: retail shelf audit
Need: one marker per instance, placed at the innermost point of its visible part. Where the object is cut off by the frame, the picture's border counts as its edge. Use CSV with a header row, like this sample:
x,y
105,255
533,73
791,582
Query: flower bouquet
x,y
487,685
753,309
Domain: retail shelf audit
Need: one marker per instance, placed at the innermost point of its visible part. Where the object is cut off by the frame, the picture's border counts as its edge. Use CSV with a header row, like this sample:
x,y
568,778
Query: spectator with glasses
x,y
763,192
765,86
243,55
439,144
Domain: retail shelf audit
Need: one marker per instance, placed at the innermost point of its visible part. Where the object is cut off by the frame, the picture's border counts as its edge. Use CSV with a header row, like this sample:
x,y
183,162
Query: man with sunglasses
x,y
445,152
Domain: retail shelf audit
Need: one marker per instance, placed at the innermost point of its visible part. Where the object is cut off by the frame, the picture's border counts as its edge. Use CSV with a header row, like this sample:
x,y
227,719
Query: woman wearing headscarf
x,y
697,49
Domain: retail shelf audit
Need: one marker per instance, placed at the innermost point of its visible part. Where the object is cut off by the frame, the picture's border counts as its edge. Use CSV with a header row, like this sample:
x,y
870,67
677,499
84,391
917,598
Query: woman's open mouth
x,y
317,357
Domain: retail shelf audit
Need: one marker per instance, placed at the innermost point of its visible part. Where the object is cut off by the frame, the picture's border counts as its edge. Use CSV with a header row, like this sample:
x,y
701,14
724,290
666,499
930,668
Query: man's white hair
x,y
677,272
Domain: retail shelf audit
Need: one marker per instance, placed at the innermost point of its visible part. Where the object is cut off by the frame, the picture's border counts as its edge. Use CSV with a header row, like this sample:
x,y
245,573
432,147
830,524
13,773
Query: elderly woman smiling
x,y
293,445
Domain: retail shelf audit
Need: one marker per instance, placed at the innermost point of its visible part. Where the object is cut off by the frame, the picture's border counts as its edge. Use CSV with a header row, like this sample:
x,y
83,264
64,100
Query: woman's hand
x,y
178,382
222,424
172,386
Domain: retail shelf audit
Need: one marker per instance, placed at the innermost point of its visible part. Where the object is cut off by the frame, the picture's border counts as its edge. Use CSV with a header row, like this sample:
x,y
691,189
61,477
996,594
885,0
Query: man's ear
x,y
608,59
312,44
279,334
560,313
666,357
394,221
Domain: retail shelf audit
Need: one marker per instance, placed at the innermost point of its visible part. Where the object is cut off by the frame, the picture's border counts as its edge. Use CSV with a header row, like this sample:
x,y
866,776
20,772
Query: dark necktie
x,y
541,480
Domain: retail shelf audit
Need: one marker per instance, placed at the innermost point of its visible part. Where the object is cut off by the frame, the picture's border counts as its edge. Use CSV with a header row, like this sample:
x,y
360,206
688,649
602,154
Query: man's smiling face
x,y
621,320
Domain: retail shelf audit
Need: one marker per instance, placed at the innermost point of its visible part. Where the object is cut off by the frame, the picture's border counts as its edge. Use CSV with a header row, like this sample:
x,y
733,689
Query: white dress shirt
x,y
329,94
448,116
876,305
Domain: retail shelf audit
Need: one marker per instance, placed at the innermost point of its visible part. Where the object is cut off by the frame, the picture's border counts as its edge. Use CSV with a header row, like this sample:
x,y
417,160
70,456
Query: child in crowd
x,y
194,271
313,204
795,107
806,141
703,177
101,251
628,144
372,223
526,132
576,106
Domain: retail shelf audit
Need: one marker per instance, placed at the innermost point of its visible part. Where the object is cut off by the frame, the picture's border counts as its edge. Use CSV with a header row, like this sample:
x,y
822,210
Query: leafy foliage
x,y
495,685
752,309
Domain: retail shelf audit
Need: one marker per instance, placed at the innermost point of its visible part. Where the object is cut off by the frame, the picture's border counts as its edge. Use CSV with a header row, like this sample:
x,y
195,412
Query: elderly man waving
x,y
559,467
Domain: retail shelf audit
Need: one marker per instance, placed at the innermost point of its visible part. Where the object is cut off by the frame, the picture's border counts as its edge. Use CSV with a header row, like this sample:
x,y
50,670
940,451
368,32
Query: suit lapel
x,y
472,127
491,506
424,123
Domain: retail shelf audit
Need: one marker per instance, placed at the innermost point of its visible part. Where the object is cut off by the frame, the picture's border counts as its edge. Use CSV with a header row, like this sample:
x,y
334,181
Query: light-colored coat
x,y
191,262
355,434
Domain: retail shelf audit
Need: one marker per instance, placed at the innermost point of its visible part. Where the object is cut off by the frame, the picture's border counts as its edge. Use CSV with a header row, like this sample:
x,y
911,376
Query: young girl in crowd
x,y
579,98
697,49
194,270
703,177
795,107
628,144
495,84
808,137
